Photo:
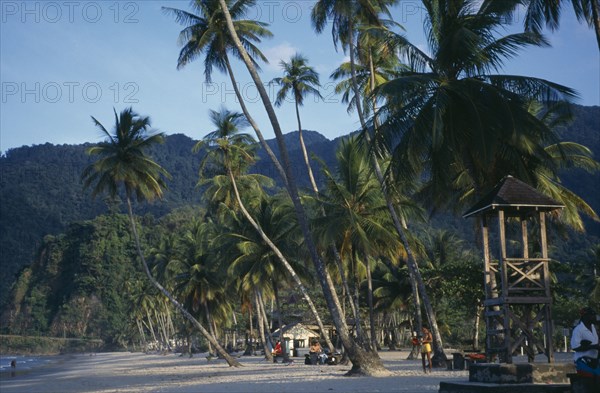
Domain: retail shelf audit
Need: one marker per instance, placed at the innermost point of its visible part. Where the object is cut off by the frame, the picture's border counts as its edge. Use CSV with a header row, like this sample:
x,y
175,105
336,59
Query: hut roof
x,y
296,330
514,196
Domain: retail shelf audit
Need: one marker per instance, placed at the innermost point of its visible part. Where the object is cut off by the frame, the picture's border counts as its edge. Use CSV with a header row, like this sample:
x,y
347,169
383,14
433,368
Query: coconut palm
x,y
206,33
495,134
385,67
548,12
198,276
364,362
299,80
124,164
227,146
348,16
254,263
355,218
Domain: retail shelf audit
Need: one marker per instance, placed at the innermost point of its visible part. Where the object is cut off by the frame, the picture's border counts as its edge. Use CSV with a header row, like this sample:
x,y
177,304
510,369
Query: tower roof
x,y
514,196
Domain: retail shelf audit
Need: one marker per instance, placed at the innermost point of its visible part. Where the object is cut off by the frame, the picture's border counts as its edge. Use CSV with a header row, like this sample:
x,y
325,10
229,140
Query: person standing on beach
x,y
426,340
584,342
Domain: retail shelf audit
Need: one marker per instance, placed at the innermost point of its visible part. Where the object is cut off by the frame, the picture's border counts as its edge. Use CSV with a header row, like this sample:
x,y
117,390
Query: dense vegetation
x,y
41,192
73,286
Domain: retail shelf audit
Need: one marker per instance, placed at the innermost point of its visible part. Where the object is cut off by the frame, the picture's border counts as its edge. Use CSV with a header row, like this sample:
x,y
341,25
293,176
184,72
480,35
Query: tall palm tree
x,y
548,12
346,15
451,115
365,362
123,163
206,33
228,147
355,218
254,263
299,80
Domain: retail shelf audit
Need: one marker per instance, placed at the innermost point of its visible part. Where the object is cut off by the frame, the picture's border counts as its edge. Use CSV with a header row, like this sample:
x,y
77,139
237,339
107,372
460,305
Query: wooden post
x,y
548,306
525,238
487,271
504,284
503,271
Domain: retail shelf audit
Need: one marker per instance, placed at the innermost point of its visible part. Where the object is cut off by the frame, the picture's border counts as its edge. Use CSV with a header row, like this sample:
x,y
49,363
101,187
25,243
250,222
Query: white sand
x,y
136,372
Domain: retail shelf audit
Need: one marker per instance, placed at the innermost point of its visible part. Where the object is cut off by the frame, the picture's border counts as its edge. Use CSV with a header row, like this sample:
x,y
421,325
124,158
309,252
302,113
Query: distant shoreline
x,y
14,345
28,364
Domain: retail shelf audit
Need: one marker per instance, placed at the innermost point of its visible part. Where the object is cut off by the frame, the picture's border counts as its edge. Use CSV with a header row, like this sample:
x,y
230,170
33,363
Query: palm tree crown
x,y
299,79
207,33
228,146
453,116
123,160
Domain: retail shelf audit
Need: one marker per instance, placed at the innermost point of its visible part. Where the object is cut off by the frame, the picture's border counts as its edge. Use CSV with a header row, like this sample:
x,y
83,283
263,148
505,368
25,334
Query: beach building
x,y
296,338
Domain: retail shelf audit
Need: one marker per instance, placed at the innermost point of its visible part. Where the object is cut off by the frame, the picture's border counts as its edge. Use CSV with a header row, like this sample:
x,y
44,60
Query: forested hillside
x,y
41,192
74,255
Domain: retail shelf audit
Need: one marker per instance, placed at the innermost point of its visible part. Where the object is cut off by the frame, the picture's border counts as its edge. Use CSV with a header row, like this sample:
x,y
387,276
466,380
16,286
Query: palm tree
x,y
199,277
253,263
494,133
207,33
548,11
365,362
299,80
345,15
355,218
123,163
385,68
229,149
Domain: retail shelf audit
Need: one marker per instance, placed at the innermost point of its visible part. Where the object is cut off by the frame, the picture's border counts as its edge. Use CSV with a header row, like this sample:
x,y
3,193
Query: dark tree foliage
x,y
65,265
75,286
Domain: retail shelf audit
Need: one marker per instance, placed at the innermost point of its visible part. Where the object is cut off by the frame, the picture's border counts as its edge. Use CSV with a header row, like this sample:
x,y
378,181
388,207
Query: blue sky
x,y
64,61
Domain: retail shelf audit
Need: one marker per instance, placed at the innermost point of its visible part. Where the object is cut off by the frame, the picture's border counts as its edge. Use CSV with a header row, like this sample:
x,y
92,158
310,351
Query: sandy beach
x,y
137,372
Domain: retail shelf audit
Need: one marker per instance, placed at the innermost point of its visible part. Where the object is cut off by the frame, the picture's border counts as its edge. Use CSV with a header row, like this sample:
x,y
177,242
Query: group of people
x,y
424,340
584,342
316,353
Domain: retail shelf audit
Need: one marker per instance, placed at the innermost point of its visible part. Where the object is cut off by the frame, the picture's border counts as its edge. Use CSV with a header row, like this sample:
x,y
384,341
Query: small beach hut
x,y
297,338
518,301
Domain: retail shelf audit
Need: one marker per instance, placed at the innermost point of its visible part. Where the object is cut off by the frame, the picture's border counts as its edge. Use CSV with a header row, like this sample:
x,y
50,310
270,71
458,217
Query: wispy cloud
x,y
275,54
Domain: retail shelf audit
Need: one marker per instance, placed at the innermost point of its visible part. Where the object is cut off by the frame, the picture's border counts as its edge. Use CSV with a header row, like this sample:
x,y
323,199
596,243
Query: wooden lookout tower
x,y
517,281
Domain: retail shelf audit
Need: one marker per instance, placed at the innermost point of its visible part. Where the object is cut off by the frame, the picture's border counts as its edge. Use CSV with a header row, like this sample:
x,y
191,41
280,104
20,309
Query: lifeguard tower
x,y
517,302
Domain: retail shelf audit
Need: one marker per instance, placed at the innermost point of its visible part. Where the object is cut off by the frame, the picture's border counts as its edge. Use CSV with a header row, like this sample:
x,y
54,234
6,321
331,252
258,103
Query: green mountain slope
x,y
41,192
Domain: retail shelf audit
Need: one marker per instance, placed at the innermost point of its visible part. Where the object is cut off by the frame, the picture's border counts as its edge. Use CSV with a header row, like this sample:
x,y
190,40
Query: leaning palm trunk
x,y
268,334
261,328
286,356
370,303
230,360
413,268
304,151
281,258
253,124
364,362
